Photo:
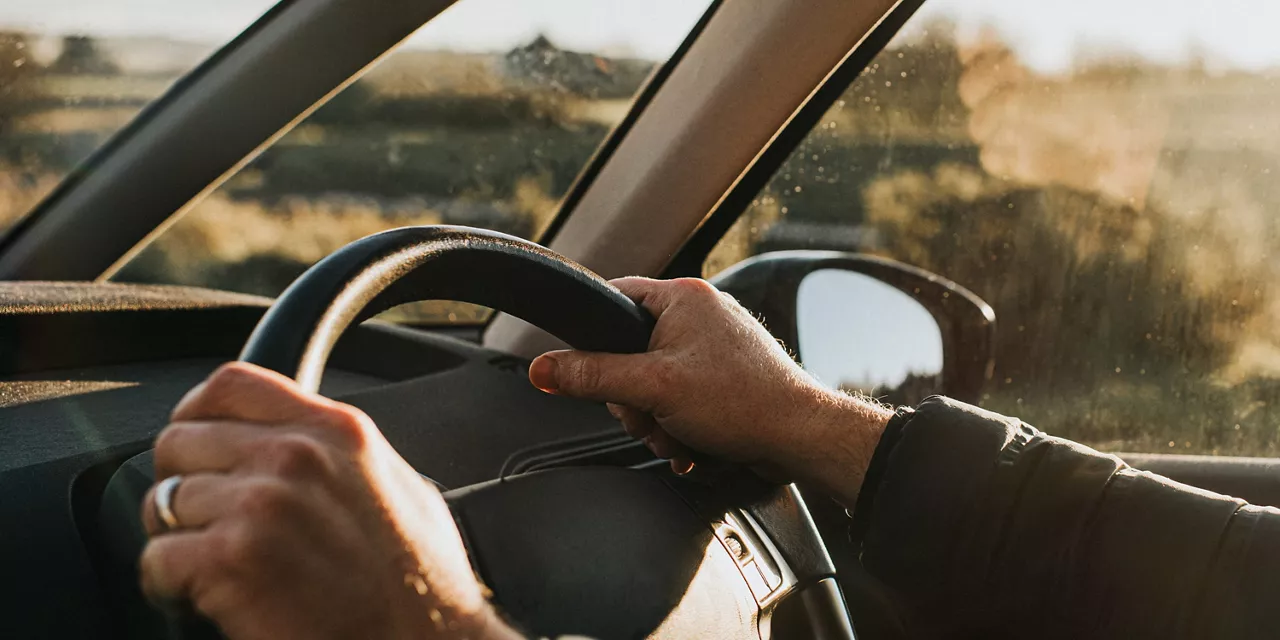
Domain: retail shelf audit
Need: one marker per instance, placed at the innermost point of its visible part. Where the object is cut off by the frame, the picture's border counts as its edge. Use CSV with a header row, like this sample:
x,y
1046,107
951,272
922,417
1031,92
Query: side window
x,y
475,121
1110,189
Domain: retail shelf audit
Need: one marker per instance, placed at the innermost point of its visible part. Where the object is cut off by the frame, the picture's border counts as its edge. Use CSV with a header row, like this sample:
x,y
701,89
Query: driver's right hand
x,y
714,380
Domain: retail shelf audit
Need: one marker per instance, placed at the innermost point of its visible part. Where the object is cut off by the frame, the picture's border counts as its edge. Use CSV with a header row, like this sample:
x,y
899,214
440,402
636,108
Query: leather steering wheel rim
x,y
410,264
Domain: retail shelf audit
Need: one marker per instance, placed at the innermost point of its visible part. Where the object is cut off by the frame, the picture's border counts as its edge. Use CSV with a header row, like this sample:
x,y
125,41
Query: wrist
x,y
837,442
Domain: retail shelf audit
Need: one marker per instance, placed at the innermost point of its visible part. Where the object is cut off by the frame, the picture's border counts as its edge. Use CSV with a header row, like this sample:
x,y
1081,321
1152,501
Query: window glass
x,y
1104,174
483,119
73,72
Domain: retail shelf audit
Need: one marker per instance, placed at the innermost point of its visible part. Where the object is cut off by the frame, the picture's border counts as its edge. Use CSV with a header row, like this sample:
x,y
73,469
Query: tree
x,y
81,55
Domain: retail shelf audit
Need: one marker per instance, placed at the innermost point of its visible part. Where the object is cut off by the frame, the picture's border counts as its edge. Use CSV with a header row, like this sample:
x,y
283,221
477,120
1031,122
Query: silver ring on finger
x,y
166,491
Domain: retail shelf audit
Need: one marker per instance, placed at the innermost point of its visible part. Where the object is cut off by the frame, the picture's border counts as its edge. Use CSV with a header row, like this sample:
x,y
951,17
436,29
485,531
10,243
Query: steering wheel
x,y
596,551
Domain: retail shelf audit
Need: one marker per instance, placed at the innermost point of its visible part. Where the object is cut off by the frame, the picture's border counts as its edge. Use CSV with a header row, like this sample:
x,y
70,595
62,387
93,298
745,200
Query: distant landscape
x,y
1120,217
488,140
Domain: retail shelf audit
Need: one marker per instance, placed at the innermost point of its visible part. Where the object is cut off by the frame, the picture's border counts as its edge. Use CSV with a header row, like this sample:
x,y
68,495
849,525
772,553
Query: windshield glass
x,y
73,72
484,119
1103,173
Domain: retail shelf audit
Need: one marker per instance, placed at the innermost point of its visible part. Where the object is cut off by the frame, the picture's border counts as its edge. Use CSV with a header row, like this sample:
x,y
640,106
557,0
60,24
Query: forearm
x,y
835,444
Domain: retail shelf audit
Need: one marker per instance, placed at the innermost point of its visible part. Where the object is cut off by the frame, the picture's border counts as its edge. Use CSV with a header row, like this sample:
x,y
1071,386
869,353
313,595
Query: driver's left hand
x,y
298,520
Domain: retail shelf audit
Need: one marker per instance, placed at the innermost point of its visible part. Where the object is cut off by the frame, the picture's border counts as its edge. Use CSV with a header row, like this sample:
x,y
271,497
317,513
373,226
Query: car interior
x,y
576,528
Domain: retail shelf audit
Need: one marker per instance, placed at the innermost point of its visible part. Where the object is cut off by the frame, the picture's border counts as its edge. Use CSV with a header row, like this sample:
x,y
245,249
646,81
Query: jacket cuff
x,y
861,514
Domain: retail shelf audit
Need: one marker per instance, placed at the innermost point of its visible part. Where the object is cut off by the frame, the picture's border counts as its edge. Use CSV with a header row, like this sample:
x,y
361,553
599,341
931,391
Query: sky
x,y
1046,33
855,329
652,28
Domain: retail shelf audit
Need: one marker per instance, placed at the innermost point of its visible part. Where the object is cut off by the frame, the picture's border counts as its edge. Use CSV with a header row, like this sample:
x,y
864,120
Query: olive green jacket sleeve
x,y
983,527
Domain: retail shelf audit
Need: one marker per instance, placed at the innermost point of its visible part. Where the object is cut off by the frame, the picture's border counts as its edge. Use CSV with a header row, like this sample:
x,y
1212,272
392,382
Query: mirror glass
x,y
860,334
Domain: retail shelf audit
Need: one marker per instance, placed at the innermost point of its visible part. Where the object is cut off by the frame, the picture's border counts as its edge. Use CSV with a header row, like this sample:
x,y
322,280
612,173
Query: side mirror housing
x,y
867,323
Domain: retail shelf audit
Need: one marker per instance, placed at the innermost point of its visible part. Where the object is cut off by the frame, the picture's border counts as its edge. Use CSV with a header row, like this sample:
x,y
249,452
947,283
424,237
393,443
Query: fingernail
x,y
542,373
614,410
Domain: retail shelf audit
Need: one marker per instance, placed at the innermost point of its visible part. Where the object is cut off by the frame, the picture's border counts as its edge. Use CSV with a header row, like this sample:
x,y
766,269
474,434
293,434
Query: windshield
x,y
1103,173
73,72
476,121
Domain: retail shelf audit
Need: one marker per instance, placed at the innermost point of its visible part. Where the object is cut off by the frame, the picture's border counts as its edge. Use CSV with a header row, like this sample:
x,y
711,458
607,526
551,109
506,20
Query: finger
x,y
170,565
200,499
605,377
637,424
192,447
664,446
681,466
242,391
659,295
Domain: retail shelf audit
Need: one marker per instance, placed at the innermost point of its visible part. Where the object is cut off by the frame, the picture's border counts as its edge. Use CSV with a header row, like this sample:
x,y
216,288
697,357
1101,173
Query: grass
x,y
252,247
1195,416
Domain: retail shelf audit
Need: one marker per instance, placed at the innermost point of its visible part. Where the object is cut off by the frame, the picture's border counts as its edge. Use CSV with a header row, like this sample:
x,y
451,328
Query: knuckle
x,y
237,550
165,574
151,566
172,439
265,501
585,375
695,288
229,376
729,300
295,455
353,427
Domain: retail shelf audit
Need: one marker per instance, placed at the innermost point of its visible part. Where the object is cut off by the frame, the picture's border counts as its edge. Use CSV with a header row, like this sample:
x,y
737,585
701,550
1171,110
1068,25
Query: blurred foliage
x,y
428,137
1079,283
363,105
1117,216
81,55
1111,216
17,73
482,147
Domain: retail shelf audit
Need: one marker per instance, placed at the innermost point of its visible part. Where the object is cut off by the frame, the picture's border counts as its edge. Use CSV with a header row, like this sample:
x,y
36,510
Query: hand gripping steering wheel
x,y
597,551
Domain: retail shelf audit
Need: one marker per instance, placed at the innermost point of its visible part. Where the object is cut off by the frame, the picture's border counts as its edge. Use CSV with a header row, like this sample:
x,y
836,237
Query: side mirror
x,y
882,327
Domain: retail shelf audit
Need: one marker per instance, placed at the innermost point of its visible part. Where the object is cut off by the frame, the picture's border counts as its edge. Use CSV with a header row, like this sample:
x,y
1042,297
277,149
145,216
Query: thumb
x,y
603,377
